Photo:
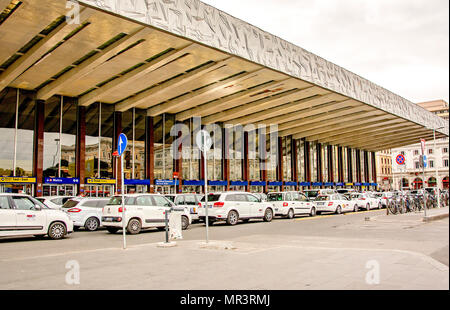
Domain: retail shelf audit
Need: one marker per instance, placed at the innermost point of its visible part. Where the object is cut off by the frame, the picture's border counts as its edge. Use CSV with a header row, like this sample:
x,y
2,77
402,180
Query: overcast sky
x,y
402,45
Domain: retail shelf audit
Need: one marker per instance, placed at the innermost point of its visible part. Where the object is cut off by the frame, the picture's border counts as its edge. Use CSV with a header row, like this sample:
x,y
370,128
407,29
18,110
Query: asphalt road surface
x,y
324,252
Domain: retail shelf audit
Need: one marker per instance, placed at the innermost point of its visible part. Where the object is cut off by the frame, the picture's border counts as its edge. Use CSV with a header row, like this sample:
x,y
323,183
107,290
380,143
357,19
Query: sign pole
x,y
123,204
206,186
422,142
204,143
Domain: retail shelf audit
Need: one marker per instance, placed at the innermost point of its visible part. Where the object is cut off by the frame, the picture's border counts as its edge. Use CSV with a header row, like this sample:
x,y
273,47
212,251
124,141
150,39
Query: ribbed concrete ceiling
x,y
114,60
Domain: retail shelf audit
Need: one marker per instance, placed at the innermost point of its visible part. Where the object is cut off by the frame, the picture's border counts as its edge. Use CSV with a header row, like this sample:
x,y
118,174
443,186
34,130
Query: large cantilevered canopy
x,y
190,59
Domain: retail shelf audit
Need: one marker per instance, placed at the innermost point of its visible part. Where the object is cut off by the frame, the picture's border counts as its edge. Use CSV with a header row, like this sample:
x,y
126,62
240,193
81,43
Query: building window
x,y
446,163
431,164
445,150
417,165
430,151
416,152
402,152
17,132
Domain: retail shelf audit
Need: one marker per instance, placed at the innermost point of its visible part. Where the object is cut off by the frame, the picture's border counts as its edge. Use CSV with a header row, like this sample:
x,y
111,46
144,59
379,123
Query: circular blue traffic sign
x,y
400,159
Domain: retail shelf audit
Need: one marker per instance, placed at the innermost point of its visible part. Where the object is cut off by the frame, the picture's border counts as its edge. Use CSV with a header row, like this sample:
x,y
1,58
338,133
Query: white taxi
x,y
290,204
141,211
22,215
234,206
335,203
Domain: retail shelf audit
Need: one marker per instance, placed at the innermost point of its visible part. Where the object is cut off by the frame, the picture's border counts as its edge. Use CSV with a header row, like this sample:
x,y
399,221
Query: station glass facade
x,y
20,155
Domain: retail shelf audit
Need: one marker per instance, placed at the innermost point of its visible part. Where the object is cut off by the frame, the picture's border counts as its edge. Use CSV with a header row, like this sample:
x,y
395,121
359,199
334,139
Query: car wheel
x,y
319,212
355,208
134,227
290,214
368,207
313,212
268,215
57,230
92,224
184,222
233,218
338,210
112,230
379,206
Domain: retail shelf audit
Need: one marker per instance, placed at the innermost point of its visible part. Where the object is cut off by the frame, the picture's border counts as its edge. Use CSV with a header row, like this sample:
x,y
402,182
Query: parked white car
x,y
313,193
141,211
335,203
384,197
366,201
189,201
290,204
85,212
234,206
345,191
54,202
22,215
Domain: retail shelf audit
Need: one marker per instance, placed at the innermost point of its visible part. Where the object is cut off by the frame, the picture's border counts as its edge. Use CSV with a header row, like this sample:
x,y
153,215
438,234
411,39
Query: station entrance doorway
x,y
59,190
99,190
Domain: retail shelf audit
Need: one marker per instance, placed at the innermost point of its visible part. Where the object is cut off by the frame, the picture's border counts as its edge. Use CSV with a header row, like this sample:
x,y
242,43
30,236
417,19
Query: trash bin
x,y
175,227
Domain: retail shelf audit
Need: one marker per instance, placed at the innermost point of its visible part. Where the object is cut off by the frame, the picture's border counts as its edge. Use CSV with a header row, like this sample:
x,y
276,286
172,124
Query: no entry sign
x,y
400,159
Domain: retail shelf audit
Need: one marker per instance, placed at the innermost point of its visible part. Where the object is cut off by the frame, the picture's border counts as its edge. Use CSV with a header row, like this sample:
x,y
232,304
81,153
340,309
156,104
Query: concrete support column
x,y
38,145
225,157
319,163
150,152
307,155
80,155
294,153
246,163
358,166
340,164
366,167
262,161
331,164
280,167
349,165
374,167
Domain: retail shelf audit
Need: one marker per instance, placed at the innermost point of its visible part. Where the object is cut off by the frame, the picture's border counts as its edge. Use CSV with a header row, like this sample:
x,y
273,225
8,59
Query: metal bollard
x,y
166,217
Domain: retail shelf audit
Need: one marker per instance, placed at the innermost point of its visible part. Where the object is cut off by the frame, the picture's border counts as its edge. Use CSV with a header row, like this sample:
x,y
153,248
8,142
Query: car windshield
x,y
322,198
117,201
355,196
342,191
275,197
379,195
171,198
311,194
211,198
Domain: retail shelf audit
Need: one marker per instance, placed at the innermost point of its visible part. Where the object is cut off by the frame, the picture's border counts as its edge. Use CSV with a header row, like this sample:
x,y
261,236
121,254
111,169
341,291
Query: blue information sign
x,y
62,180
122,144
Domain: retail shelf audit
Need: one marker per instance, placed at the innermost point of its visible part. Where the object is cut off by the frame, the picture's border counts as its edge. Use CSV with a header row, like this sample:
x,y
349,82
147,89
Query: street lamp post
x,y
436,167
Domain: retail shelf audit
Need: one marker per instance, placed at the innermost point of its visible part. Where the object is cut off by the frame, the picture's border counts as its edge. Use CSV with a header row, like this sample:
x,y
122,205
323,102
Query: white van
x,y
22,215
141,211
313,193
290,204
234,206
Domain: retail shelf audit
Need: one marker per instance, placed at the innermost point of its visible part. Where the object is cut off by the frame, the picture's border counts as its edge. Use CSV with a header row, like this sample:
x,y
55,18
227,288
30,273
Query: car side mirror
x,y
37,208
